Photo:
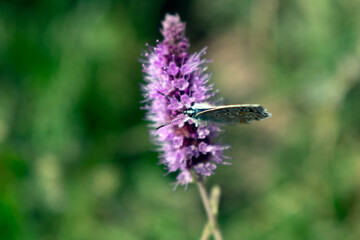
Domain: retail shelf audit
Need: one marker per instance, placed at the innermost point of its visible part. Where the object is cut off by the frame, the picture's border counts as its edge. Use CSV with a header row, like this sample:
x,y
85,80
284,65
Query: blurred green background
x,y
75,157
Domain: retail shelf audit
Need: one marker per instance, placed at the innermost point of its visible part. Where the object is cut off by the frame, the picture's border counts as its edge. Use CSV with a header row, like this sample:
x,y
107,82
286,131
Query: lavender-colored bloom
x,y
171,70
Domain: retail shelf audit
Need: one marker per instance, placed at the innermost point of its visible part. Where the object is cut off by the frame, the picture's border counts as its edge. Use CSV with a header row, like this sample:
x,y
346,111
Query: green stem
x,y
211,226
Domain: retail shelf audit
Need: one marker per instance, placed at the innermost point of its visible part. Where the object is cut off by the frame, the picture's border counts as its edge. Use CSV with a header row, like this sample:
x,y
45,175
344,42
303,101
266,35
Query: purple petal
x,y
173,69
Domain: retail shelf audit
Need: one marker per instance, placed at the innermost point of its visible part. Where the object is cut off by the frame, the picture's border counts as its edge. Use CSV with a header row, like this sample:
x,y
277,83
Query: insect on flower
x,y
176,87
238,113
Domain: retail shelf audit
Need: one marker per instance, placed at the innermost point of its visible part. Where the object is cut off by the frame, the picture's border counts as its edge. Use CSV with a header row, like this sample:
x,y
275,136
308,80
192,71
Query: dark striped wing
x,y
242,113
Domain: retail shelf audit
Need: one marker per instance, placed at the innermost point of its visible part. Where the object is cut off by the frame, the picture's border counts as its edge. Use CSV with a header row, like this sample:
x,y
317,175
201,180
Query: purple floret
x,y
171,70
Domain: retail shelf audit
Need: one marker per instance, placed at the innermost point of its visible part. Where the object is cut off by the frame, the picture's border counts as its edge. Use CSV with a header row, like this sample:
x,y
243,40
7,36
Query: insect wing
x,y
242,113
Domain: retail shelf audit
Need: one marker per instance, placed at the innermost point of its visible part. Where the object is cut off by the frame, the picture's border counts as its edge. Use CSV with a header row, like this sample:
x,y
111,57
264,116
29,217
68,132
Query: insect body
x,y
238,113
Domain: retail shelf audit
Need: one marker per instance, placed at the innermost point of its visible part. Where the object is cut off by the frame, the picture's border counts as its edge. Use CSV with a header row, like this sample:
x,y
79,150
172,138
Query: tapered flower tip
x,y
174,33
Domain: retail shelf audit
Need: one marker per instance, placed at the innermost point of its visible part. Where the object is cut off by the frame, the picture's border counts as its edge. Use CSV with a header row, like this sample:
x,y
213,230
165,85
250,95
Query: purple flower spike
x,y
171,70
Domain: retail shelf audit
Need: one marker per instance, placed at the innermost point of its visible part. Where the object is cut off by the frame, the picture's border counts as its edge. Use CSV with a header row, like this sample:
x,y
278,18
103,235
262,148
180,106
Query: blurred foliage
x,y
75,157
